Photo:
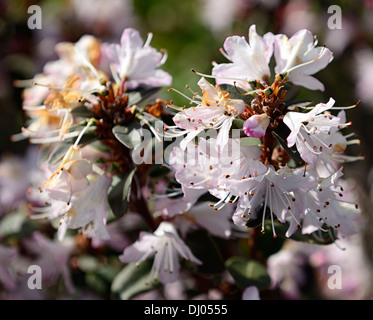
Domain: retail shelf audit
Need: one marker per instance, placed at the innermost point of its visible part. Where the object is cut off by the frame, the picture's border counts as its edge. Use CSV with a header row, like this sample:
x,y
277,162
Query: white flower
x,y
317,137
78,193
327,209
202,215
70,176
249,61
81,57
135,62
280,191
216,110
88,206
166,245
299,58
221,173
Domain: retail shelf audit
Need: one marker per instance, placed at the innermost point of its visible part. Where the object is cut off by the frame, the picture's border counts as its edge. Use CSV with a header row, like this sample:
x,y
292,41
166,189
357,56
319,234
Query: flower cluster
x,y
291,171
73,108
244,156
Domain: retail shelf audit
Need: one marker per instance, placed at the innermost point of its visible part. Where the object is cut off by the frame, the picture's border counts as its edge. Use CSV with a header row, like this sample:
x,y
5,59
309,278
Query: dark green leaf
x,y
129,135
298,104
281,133
237,123
158,171
209,253
248,273
132,280
119,193
59,152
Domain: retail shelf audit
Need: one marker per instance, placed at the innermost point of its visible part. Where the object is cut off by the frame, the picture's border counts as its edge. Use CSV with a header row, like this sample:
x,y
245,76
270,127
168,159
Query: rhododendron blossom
x,y
243,161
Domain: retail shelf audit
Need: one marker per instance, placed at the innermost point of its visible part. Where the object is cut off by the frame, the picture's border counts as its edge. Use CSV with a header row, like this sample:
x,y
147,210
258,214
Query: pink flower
x,y
251,293
52,257
136,62
7,277
256,125
166,245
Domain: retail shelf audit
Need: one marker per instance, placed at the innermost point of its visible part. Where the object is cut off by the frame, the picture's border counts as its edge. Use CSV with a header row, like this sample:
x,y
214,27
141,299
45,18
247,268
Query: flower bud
x,y
256,125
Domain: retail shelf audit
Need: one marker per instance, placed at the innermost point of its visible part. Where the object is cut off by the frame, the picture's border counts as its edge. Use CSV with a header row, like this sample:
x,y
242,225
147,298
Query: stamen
x,y
222,51
307,62
148,39
89,124
115,74
265,206
164,57
54,139
272,223
183,95
33,108
355,141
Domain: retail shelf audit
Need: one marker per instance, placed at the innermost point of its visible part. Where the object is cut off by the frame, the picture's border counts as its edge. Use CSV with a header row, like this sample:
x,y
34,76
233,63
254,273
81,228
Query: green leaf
x,y
88,263
119,193
248,273
58,153
132,280
135,97
16,223
82,111
129,135
236,93
97,283
249,141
